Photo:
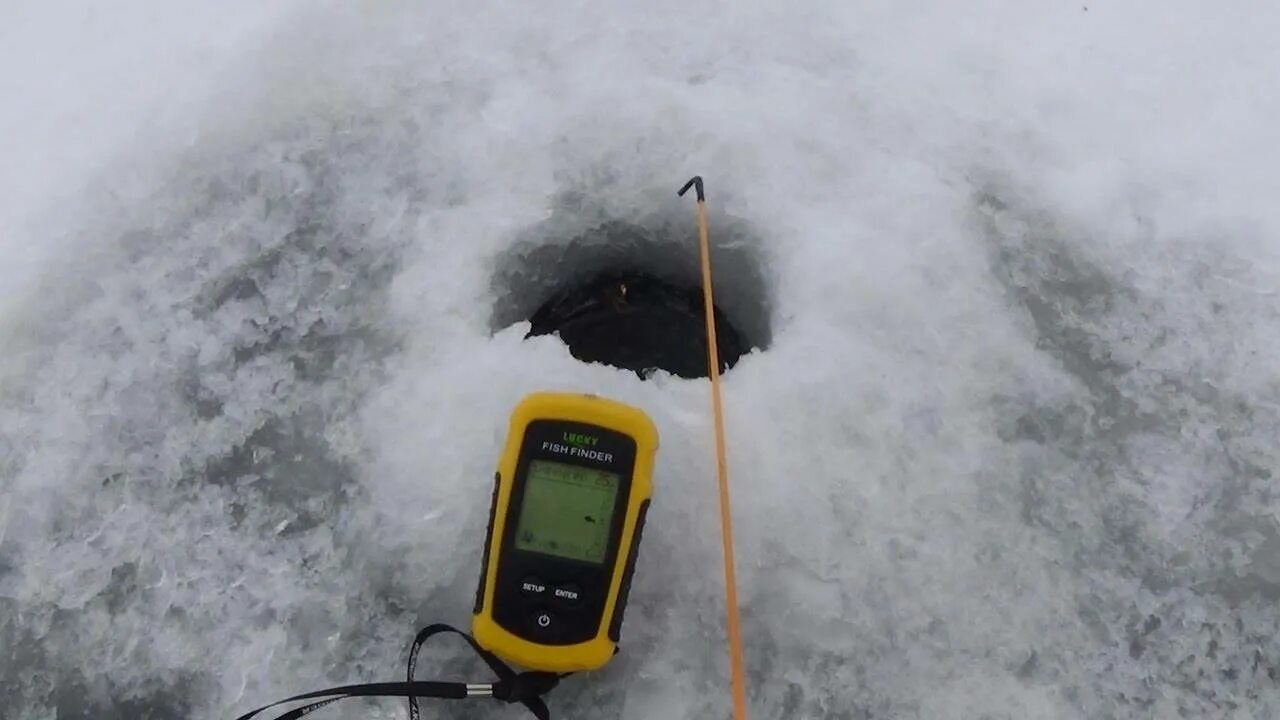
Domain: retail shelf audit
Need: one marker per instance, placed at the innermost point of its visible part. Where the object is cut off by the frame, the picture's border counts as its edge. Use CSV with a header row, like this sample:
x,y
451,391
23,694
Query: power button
x,y
544,622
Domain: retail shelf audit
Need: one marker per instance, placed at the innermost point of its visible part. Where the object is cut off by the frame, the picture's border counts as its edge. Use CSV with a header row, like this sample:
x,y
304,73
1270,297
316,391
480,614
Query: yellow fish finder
x,y
569,502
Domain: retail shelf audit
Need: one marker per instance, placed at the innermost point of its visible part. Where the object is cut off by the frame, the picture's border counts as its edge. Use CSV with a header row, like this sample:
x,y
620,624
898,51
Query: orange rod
x,y
722,465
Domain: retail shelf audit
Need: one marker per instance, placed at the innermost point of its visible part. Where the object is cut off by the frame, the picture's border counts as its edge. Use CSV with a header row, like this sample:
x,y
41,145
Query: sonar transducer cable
x,y
713,363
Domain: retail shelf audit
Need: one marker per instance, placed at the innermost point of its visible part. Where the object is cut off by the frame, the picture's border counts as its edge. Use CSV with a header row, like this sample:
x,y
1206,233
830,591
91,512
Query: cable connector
x,y
525,687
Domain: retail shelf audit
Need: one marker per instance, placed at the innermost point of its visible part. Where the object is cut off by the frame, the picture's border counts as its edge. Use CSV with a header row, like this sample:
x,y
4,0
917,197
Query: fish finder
x,y
569,503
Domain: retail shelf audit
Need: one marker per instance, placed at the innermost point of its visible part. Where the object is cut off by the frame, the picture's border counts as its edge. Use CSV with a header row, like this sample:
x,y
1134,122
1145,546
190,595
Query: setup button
x,y
533,587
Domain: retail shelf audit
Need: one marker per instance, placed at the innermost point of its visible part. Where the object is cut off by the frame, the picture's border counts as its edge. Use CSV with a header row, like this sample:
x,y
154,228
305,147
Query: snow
x,y
1009,452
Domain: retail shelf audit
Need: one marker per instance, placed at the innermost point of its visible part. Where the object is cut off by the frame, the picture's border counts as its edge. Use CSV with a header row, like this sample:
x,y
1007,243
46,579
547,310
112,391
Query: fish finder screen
x,y
567,511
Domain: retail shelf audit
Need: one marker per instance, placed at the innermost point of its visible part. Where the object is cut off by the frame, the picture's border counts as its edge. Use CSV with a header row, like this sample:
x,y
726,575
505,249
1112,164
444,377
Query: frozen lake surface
x,y
1010,451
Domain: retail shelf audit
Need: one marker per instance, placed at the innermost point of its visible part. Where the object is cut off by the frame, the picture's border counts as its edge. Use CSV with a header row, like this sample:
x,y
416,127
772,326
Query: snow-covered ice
x,y
1009,453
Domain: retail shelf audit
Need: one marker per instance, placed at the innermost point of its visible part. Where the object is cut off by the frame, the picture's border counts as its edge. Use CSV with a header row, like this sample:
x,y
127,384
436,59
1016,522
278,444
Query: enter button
x,y
567,593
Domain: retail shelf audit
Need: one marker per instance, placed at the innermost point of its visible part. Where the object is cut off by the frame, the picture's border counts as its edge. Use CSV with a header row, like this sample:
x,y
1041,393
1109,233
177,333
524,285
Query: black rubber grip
x,y
615,626
488,541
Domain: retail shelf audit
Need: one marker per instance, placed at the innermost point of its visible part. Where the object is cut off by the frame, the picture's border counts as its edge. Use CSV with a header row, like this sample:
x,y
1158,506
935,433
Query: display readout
x,y
567,511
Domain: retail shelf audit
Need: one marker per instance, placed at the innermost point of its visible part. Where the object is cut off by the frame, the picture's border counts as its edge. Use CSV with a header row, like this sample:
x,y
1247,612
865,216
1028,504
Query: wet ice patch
x,y
1151,472
190,419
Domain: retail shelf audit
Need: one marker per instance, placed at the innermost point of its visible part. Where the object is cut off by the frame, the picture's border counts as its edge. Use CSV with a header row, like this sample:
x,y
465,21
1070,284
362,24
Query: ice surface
x,y
1010,453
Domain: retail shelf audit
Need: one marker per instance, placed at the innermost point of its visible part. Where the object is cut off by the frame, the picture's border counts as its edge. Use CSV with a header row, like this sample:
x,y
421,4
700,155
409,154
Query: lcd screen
x,y
567,511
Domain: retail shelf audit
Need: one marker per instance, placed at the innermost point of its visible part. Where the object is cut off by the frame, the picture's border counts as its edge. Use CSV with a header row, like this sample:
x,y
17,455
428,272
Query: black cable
x,y
526,688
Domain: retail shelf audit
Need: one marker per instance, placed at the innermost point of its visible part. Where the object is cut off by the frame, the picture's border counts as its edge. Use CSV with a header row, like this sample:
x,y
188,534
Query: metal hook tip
x,y
695,181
